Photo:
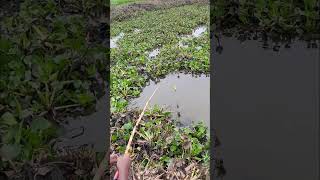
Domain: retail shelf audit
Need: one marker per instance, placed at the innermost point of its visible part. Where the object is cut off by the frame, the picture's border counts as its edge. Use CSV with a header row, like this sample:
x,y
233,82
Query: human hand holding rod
x,y
124,159
123,166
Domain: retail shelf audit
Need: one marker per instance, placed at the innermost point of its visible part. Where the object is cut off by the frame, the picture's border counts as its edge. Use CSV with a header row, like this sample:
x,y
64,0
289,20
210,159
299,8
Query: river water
x,y
265,106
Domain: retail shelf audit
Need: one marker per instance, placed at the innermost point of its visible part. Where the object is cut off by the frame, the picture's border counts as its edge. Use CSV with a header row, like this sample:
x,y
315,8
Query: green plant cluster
x,y
282,17
52,64
131,67
159,141
159,135
121,2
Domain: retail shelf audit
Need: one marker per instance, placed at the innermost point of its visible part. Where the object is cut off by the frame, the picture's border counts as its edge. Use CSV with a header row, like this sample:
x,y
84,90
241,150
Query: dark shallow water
x,y
265,106
88,130
180,93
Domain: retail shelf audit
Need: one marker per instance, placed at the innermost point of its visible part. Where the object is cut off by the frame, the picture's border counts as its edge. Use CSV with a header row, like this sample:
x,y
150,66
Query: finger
x,y
127,157
116,175
113,158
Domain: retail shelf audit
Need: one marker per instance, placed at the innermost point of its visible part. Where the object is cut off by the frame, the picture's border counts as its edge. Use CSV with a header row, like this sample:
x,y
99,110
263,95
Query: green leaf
x,y
8,119
26,113
4,44
114,137
42,35
85,99
165,159
4,60
10,134
91,70
196,148
10,151
128,126
121,149
173,148
34,139
40,124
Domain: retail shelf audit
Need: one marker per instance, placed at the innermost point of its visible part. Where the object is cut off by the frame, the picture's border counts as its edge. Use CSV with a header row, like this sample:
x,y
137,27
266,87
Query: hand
x,y
123,165
113,159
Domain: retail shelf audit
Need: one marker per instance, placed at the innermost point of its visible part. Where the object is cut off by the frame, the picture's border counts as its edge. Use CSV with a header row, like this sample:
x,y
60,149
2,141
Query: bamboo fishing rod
x,y
138,122
135,129
104,163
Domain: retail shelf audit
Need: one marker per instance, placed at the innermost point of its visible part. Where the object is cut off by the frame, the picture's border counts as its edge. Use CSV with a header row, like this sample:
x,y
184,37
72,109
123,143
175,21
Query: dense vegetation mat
x,y
52,64
161,148
280,20
131,66
123,12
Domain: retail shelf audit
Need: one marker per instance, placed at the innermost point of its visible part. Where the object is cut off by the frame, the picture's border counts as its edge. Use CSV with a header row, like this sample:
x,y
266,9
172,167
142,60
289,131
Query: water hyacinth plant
x,y
160,147
53,65
281,18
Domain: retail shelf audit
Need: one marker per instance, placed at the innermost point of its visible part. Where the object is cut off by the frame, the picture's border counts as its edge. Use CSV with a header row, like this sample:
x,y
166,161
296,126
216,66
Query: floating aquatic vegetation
x,y
131,70
279,19
53,64
158,142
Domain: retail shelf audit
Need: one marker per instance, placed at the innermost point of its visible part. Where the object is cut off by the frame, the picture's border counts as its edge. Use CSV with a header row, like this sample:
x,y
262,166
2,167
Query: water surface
x,y
88,130
114,40
154,53
185,95
199,31
265,106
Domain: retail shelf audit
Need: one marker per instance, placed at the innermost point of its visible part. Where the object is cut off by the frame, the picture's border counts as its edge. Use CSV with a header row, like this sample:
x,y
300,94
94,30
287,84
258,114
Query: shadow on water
x,y
185,95
265,108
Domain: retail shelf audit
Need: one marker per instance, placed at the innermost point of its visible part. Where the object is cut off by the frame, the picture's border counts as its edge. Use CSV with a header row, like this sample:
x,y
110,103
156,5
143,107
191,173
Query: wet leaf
x,y
10,151
8,119
10,135
26,113
85,99
41,33
5,44
40,124
44,170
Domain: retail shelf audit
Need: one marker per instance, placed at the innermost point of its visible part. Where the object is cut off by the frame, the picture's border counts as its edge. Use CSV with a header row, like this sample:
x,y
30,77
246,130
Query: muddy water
x,y
186,96
88,130
265,106
154,53
114,40
199,31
